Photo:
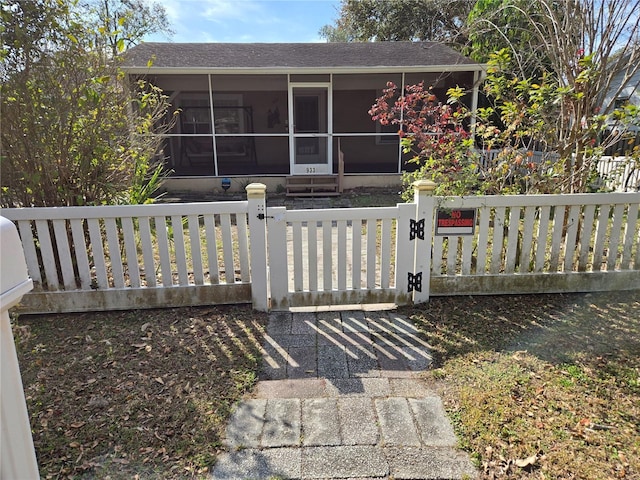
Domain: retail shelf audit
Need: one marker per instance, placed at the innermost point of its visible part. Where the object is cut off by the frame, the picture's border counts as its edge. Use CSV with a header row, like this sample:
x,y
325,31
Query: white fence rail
x,y
121,257
112,257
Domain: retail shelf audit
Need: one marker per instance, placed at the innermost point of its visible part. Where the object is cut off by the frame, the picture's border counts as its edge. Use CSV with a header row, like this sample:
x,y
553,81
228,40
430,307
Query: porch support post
x,y
256,193
420,279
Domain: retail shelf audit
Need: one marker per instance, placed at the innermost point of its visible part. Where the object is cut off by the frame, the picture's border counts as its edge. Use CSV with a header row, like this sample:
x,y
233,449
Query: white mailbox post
x,y
18,457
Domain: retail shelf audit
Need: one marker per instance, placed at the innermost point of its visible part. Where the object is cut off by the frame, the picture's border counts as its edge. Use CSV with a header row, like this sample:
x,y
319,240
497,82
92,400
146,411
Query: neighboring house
x,y
286,110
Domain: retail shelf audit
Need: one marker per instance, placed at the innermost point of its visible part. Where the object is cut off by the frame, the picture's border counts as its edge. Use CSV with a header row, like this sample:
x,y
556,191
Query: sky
x,y
248,20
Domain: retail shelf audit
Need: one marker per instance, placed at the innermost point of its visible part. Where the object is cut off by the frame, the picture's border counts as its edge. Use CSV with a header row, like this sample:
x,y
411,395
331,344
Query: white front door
x,y
310,140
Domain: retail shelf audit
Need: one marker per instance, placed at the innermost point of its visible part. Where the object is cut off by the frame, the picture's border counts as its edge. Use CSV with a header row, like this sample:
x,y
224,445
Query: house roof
x,y
201,57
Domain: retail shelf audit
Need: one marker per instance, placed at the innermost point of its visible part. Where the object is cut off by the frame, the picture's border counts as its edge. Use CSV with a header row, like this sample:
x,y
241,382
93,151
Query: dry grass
x,y
541,386
144,393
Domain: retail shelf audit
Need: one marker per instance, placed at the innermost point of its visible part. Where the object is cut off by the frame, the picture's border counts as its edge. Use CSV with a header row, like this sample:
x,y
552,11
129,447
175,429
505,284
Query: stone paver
x,y
259,464
341,462
396,422
339,396
358,420
432,422
428,463
332,361
245,425
320,422
282,423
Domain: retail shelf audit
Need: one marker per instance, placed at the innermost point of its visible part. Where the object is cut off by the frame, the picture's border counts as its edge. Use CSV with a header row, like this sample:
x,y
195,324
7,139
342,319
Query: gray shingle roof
x,y
293,55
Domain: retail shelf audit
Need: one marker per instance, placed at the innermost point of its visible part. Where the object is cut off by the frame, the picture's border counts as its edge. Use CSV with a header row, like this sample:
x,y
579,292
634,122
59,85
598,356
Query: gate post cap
x,y
424,185
256,190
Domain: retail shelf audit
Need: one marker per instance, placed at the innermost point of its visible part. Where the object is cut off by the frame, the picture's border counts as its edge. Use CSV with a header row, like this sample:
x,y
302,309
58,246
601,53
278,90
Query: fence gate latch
x,y
415,282
416,229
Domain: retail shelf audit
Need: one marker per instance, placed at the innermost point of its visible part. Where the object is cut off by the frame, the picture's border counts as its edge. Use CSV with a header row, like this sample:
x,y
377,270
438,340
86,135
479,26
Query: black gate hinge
x,y
416,229
415,282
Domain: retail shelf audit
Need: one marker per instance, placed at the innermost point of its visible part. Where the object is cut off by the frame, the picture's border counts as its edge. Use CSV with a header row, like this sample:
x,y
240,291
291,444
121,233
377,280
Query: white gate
x,y
337,256
349,256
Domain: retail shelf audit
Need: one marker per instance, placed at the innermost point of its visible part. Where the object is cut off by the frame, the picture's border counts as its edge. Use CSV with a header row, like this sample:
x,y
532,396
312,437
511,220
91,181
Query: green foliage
x,y
506,24
517,143
397,20
75,131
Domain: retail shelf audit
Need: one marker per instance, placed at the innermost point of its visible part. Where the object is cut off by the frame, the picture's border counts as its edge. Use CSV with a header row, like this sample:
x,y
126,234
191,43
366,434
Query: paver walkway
x,y
339,398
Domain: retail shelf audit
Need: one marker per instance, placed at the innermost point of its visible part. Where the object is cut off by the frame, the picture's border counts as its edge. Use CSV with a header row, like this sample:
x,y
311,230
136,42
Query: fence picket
x,y
113,247
385,255
180,254
601,229
356,254
438,253
227,248
80,250
64,254
498,238
277,251
97,251
512,240
29,246
131,253
243,247
556,237
212,249
483,240
48,258
614,236
543,230
527,239
452,254
341,264
147,251
312,235
405,248
629,227
327,253
467,255
298,270
162,237
571,245
372,230
195,244
585,238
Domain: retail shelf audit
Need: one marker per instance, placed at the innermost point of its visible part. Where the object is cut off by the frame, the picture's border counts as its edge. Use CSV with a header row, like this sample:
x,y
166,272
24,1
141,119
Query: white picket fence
x,y
113,257
620,174
541,243
124,257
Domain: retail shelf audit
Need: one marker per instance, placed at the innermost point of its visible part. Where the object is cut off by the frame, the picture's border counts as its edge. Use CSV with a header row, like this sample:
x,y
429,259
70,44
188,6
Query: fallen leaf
x,y
525,462
77,424
159,380
145,326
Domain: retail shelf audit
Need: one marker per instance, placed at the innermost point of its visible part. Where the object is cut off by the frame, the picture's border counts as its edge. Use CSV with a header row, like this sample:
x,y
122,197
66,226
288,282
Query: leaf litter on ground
x,y
537,386
540,386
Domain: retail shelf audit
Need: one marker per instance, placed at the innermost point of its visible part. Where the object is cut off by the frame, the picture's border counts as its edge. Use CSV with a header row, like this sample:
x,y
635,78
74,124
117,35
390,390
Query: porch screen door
x,y
310,141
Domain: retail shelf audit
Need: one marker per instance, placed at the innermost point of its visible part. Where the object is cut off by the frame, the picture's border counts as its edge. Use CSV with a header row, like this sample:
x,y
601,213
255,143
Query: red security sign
x,y
460,221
